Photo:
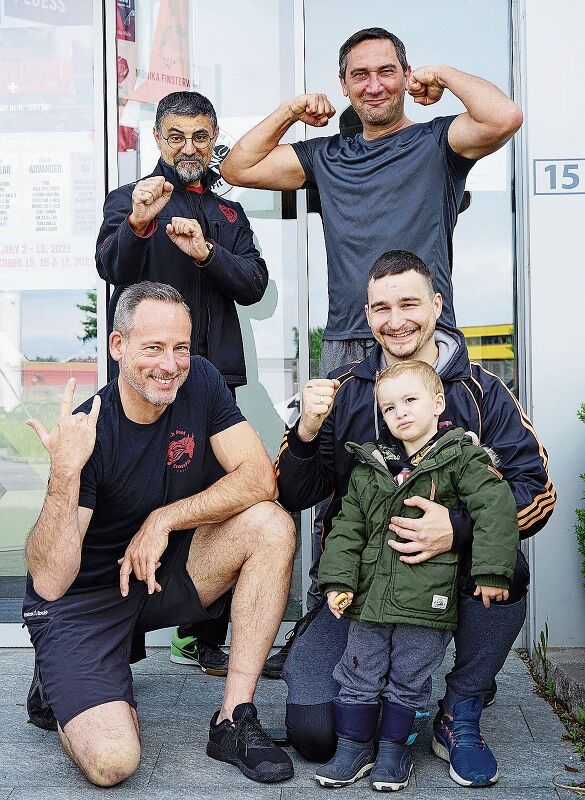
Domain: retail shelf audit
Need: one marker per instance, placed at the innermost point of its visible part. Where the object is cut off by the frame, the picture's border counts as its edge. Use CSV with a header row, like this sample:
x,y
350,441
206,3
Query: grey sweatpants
x,y
390,662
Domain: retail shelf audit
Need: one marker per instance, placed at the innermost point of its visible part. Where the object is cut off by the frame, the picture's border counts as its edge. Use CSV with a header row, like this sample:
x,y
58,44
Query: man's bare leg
x,y
253,550
104,742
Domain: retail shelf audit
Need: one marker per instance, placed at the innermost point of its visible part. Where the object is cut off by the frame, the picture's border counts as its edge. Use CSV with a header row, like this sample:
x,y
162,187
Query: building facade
x,y
78,94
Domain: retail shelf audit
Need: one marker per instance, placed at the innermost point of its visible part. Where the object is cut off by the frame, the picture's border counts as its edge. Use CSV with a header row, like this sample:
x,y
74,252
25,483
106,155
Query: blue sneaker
x,y
459,741
393,766
352,761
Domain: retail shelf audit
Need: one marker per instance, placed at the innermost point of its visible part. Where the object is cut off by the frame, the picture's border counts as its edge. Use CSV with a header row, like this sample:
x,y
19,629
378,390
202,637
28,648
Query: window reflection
x,y
176,45
47,237
472,36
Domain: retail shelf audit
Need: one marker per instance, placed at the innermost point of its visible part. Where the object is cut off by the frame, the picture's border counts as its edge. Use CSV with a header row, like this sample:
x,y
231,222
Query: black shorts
x,y
82,641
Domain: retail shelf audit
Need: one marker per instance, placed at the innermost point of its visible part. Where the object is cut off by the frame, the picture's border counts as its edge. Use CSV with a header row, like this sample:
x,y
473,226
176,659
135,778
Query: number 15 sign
x,y
559,176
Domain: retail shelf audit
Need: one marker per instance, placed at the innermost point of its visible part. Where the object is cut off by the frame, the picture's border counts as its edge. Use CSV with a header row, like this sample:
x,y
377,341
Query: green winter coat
x,y
358,559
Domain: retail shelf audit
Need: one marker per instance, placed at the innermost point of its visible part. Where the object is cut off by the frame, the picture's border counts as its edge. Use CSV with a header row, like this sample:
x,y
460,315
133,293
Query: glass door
x,y
472,36
49,147
242,59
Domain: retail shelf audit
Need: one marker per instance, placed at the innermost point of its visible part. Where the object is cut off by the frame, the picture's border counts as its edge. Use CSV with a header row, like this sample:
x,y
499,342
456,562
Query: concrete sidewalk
x,y
175,705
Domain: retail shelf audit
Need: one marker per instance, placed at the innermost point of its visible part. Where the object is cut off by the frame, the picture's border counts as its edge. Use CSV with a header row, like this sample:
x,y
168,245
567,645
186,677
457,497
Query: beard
x,y
389,114
157,397
395,349
189,169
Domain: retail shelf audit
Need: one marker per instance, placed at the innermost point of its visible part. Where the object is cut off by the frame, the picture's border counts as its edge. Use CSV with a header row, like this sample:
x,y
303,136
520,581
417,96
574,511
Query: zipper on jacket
x,y
421,468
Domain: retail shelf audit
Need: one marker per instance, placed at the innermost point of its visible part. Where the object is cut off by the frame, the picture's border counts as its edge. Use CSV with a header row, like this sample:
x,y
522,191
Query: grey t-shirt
x,y
398,192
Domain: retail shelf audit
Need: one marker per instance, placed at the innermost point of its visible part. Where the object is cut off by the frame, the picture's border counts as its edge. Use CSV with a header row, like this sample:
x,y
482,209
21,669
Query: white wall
x,y
554,63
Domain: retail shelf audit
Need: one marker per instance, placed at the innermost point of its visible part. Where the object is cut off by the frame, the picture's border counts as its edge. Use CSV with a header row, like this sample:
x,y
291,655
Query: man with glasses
x,y
171,227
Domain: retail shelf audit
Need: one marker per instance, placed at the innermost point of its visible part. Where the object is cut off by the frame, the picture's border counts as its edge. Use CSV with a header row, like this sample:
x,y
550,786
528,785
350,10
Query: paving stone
x,y
361,791
175,704
47,766
567,794
157,662
14,689
502,728
188,767
199,687
149,689
15,727
542,721
16,661
122,792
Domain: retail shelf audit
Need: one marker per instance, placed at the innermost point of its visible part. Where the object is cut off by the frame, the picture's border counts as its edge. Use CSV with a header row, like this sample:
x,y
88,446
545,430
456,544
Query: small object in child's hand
x,y
341,601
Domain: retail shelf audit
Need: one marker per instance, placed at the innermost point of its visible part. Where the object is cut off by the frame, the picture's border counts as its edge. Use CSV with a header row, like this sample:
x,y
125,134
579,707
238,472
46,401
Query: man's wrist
x,y
140,228
165,519
209,248
290,114
306,434
442,75
62,477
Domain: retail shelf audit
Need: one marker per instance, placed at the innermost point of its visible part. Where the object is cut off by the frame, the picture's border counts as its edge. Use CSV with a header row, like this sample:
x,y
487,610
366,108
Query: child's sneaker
x,y
459,741
392,768
352,761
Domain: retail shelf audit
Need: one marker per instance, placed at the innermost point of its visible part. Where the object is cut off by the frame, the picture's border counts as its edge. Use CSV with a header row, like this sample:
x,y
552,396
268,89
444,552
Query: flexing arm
x,y
490,119
258,160
249,480
53,547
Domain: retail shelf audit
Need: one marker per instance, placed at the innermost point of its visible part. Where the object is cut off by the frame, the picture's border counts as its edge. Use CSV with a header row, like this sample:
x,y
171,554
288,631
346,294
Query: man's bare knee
x,y
112,763
269,525
104,742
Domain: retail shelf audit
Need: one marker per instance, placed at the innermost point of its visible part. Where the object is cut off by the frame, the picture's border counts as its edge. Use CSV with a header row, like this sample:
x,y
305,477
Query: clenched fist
x,y
188,236
316,405
149,198
425,86
312,109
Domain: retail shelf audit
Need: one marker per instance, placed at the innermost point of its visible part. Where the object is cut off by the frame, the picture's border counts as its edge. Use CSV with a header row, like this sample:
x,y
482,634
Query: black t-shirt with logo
x,y
135,468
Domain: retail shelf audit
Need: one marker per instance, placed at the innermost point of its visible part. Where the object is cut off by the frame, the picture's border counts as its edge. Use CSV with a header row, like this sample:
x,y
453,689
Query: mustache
x,y
183,157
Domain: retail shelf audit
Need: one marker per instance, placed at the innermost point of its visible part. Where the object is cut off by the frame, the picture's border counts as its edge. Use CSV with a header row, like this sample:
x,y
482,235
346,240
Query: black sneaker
x,y
490,696
40,712
274,665
192,651
247,746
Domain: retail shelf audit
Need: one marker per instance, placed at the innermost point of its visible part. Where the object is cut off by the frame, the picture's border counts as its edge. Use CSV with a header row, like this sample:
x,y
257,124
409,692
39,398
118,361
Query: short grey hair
x,y
131,298
365,35
185,104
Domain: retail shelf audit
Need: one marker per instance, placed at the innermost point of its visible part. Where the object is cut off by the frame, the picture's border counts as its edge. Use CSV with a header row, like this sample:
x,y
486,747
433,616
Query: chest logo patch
x,y
181,449
228,213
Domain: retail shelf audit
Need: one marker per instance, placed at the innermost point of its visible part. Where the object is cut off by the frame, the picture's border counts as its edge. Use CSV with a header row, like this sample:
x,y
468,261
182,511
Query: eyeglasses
x,y
201,140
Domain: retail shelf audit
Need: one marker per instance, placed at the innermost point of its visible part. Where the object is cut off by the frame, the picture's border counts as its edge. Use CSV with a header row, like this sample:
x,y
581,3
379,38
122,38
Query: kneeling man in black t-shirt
x,y
132,537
